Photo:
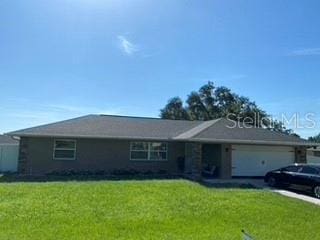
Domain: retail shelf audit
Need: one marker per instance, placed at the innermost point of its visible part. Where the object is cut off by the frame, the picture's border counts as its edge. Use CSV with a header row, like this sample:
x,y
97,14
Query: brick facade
x,y
193,159
23,156
301,155
36,157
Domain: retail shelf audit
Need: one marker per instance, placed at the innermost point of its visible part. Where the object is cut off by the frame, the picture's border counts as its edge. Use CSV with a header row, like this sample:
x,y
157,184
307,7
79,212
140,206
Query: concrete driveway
x,y
260,184
299,196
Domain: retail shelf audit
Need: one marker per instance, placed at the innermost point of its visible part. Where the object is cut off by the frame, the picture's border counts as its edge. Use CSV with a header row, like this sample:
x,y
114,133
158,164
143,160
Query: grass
x,y
168,209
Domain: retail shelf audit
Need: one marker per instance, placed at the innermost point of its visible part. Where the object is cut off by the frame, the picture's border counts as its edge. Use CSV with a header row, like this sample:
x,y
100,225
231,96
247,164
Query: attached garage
x,y
9,150
313,156
254,160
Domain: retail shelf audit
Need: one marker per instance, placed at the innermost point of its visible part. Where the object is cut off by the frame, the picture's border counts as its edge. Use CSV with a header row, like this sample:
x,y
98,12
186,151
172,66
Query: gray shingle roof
x,y
107,126
7,140
224,130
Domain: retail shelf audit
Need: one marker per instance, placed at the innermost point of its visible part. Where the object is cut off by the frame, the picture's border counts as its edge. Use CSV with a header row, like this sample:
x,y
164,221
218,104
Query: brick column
x,y
301,154
23,156
193,159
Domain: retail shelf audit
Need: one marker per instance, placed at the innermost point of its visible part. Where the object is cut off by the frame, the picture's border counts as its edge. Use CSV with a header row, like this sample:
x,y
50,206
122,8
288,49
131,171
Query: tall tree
x,y
315,138
211,102
174,110
207,95
226,101
196,107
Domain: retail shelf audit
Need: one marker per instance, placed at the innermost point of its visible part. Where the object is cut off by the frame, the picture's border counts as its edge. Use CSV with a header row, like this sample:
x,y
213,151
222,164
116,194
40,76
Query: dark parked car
x,y
299,176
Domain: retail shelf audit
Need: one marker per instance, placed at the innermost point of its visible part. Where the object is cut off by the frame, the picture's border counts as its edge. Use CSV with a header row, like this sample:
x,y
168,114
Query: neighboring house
x,y
109,143
313,155
9,150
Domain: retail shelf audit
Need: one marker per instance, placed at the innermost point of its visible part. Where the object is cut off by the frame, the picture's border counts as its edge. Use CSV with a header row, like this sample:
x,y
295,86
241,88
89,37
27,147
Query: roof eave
x,y
252,142
88,136
9,144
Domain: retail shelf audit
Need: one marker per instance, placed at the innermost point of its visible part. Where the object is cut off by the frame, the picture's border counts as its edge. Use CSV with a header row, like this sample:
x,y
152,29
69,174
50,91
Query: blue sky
x,y
64,58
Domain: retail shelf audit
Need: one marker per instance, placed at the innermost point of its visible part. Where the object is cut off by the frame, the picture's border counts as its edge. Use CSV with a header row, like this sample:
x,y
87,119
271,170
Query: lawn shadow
x,y
235,182
229,185
217,183
11,178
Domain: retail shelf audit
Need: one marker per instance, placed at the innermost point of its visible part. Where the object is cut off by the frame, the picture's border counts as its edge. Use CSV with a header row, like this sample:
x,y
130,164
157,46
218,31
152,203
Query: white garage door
x,y
9,158
250,160
313,159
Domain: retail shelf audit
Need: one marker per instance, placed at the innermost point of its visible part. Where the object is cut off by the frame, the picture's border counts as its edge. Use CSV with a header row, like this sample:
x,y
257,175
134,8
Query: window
x,y
139,151
292,169
151,151
309,170
64,150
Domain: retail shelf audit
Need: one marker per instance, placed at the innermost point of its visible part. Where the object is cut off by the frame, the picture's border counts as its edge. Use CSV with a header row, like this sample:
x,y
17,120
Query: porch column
x,y
23,157
226,161
193,159
301,154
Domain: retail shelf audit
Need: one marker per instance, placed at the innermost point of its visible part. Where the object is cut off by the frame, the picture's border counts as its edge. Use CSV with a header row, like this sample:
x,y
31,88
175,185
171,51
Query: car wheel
x,y
272,182
316,191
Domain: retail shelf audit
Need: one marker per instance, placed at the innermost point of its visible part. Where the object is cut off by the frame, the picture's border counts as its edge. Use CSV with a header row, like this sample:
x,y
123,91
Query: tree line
x,y
211,102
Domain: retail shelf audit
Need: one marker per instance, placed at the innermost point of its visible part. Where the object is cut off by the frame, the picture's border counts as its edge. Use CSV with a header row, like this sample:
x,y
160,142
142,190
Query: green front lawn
x,y
172,209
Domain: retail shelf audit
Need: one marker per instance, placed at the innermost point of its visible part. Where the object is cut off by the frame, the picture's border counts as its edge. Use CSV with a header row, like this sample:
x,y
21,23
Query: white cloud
x,y
126,46
306,52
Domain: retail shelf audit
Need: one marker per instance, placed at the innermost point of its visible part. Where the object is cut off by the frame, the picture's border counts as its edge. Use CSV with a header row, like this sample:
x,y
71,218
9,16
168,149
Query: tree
x,y
226,101
196,108
208,97
211,102
174,110
315,138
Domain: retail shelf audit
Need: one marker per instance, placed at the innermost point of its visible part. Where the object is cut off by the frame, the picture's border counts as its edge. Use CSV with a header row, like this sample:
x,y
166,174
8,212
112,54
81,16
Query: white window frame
x,y
148,159
73,149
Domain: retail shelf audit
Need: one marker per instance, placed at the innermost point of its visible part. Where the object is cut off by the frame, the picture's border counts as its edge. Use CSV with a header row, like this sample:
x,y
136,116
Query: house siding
x,y
226,161
36,157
